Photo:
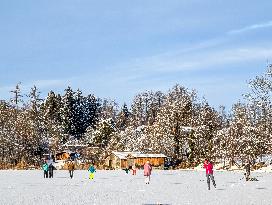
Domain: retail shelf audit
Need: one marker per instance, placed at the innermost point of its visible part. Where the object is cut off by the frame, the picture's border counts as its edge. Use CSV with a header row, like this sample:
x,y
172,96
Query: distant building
x,y
69,149
122,160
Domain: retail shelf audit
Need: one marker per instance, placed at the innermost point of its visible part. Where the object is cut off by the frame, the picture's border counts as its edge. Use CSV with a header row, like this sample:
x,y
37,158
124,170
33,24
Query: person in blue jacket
x,y
45,170
91,170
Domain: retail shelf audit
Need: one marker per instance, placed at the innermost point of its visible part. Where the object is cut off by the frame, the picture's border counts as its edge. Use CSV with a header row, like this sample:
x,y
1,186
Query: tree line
x,y
177,123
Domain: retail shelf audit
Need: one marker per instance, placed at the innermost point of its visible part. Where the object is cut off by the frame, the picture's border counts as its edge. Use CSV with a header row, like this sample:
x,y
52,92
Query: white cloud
x,y
196,60
251,27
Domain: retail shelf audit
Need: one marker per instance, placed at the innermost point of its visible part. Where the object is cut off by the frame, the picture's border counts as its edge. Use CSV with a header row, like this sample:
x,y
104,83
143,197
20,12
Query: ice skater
x,y
126,170
133,170
247,169
71,168
209,173
147,172
51,170
45,170
91,170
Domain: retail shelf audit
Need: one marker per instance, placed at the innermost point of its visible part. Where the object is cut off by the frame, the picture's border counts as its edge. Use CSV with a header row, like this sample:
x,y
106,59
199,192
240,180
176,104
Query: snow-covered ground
x,y
116,187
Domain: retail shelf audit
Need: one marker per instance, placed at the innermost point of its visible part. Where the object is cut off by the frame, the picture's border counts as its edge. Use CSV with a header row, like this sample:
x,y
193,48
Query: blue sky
x,y
116,49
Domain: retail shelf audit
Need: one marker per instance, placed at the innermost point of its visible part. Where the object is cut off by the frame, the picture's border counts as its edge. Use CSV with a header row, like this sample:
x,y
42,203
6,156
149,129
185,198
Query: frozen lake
x,y
117,187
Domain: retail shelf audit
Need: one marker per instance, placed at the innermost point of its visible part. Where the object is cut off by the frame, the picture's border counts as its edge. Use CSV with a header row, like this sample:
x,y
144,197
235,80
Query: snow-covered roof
x,y
187,128
124,155
74,143
223,131
148,155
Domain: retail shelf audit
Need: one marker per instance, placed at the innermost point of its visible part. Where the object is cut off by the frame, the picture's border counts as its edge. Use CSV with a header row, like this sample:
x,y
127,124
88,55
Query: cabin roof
x,y
140,155
125,155
74,143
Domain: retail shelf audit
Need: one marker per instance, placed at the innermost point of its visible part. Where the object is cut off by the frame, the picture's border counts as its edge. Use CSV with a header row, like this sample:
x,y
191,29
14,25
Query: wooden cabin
x,y
69,149
122,160
65,155
118,160
138,160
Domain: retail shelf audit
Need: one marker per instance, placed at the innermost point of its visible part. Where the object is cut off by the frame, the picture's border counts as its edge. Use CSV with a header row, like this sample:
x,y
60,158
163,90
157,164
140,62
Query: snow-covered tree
x,y
104,136
260,106
175,114
145,107
78,113
67,113
123,118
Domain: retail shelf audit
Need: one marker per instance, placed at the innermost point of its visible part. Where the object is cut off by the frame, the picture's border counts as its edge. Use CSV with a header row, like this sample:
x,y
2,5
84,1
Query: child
x,y
91,172
126,170
133,170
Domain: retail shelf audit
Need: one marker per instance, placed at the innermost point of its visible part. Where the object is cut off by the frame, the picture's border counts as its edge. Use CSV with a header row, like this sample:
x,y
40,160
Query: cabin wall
x,y
113,162
124,164
62,156
153,161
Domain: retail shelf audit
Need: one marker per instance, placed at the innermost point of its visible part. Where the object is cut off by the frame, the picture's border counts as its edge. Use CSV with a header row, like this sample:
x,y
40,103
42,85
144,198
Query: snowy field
x,y
116,187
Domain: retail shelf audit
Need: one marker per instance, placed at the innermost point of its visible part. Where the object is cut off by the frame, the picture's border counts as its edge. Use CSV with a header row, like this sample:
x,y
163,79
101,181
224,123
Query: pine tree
x,y
123,118
51,107
67,112
36,121
93,110
51,112
17,99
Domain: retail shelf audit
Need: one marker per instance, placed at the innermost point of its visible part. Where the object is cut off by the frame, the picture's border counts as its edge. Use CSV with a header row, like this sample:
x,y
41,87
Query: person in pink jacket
x,y
209,173
147,172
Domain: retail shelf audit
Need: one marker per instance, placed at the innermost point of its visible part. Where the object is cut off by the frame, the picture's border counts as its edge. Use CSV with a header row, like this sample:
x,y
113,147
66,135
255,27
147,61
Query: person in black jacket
x,y
247,168
51,170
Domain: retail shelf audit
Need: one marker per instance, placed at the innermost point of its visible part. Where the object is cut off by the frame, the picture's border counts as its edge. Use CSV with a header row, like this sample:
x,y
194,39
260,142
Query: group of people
x,y
208,165
209,173
133,169
48,170
147,171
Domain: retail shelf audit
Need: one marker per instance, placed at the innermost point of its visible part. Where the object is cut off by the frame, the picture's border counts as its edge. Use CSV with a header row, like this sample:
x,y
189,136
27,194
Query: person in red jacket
x,y
209,173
